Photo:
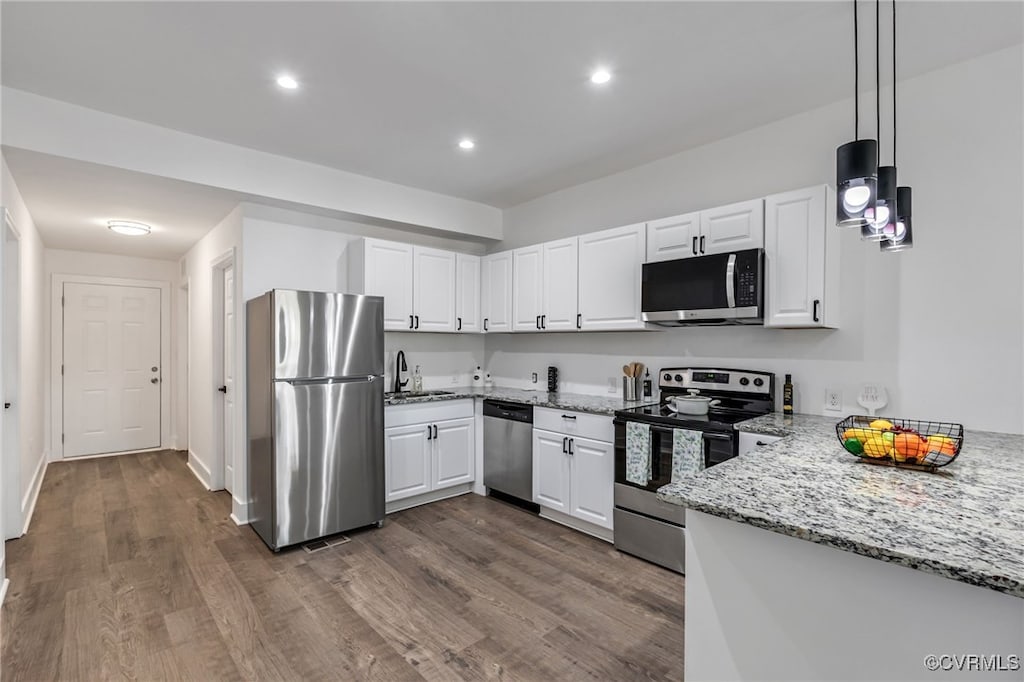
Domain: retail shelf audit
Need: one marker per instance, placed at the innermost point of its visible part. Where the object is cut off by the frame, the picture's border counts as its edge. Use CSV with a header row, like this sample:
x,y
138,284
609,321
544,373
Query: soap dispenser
x,y
417,381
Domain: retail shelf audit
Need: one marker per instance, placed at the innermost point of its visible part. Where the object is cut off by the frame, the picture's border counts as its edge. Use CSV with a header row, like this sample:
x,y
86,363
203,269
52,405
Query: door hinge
x,y
62,370
62,301
62,438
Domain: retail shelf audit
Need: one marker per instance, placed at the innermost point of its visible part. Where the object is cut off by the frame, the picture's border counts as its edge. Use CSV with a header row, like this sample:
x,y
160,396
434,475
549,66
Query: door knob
x,y
223,389
7,406
154,380
153,368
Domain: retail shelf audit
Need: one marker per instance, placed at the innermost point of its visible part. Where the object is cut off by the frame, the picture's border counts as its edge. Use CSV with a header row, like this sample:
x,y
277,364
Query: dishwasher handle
x,y
506,410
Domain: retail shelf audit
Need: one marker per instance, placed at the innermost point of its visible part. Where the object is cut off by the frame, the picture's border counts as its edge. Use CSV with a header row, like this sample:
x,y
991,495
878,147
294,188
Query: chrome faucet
x,y
400,369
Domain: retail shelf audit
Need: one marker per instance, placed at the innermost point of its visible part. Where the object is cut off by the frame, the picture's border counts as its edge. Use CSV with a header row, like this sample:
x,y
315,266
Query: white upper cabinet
x,y
558,285
467,293
610,273
801,259
672,238
732,228
496,292
433,299
527,288
382,268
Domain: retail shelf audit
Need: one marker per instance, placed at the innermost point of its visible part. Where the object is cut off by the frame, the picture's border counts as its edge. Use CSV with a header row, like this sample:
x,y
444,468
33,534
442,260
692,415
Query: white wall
x,y
33,312
61,262
933,324
203,450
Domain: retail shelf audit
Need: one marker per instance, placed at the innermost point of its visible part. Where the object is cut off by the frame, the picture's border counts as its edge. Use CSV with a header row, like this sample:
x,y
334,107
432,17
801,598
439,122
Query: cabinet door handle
x,y
435,431
695,246
565,445
410,322
817,304
428,432
417,322
702,243
485,323
459,327
543,321
579,320
537,322
570,446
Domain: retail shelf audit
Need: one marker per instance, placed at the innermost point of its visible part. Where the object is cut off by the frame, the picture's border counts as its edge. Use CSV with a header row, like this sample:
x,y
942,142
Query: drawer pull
x,y
569,416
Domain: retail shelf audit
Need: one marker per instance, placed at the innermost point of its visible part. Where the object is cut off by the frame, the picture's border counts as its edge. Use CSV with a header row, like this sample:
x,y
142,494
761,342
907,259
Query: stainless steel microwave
x,y
723,288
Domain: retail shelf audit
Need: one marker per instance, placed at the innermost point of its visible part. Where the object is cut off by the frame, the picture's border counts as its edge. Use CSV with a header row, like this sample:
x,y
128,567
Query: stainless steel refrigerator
x,y
315,414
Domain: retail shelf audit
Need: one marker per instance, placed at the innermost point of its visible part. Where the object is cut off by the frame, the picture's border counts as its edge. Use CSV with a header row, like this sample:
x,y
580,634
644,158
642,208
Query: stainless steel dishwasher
x,y
508,449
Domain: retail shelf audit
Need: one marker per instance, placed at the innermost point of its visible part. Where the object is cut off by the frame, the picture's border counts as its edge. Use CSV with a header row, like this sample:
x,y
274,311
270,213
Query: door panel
x,y
388,272
550,470
794,255
111,350
467,293
527,276
453,453
560,282
496,278
329,465
434,290
407,455
610,277
307,329
735,227
593,479
228,362
673,238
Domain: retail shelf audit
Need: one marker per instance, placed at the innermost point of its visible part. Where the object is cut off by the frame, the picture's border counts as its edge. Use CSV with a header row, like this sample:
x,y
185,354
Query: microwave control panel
x,y
747,277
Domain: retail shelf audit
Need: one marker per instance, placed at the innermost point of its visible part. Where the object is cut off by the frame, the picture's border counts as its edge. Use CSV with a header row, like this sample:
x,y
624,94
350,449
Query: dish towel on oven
x,y
687,453
638,453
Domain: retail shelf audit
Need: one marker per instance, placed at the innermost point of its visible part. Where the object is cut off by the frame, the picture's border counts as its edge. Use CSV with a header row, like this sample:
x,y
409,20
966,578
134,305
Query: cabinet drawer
x,y
427,412
750,442
582,424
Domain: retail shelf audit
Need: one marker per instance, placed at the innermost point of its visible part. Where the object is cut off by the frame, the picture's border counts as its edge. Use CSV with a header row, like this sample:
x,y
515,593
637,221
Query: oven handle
x,y
716,436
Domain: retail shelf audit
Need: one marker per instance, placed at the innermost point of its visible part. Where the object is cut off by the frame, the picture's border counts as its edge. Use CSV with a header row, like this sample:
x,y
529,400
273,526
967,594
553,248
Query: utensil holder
x,y
631,388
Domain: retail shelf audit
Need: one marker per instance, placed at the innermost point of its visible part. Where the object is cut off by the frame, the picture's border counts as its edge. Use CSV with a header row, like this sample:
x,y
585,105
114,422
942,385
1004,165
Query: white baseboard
x,y
3,590
426,498
239,511
577,524
28,503
200,470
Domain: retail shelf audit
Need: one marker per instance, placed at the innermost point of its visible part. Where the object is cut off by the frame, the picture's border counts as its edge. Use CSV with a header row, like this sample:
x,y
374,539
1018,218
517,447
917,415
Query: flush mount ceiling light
x,y
857,161
129,228
600,77
466,143
287,82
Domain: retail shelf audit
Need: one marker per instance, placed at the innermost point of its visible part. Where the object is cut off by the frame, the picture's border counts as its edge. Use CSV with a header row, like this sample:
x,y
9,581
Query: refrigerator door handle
x,y
305,381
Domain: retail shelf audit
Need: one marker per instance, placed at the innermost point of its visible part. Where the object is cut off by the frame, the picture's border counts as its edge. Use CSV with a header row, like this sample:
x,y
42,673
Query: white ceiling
x,y
389,88
71,202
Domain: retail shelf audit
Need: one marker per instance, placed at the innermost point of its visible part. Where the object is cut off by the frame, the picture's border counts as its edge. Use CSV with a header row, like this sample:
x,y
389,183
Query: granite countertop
x,y
576,402
964,522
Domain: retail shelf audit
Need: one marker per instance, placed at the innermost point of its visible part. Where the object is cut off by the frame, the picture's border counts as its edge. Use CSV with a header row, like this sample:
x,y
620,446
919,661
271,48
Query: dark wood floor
x,y
131,570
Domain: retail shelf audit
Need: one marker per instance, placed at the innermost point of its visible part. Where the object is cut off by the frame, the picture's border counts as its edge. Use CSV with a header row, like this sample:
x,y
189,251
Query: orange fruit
x,y
907,444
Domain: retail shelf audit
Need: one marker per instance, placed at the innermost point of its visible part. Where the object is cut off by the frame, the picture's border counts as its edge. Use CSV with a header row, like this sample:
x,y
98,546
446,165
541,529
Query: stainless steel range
x,y
644,525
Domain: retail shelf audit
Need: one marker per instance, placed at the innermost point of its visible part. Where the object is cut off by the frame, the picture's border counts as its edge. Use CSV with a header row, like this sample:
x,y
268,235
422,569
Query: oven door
x,y
724,287
718,447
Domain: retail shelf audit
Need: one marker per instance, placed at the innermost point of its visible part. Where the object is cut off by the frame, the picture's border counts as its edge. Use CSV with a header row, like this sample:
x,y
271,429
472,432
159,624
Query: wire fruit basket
x,y
906,443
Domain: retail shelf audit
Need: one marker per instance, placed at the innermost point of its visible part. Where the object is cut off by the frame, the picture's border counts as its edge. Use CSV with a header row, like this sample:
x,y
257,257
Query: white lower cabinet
x,y
573,474
428,447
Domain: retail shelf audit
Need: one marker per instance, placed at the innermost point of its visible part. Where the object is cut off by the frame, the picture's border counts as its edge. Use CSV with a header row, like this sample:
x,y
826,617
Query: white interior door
x,y
111,366
228,385
11,344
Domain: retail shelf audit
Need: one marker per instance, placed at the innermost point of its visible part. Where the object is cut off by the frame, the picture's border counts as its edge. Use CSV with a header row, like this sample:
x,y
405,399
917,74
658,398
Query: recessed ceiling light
x,y
287,82
600,77
466,144
129,227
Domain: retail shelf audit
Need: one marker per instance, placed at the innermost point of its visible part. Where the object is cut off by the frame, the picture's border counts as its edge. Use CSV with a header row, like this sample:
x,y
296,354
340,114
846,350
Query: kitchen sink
x,y
415,394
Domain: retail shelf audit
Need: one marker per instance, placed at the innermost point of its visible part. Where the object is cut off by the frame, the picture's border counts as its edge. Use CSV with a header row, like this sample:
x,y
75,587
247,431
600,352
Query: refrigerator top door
x,y
326,335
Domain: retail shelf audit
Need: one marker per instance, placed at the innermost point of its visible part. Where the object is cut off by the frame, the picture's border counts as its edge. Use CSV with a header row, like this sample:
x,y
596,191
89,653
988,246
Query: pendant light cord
x,y
856,77
894,82
878,81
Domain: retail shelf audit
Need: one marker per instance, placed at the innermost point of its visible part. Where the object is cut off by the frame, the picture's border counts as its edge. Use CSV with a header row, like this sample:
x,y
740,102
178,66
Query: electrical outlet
x,y
533,377
833,400
455,380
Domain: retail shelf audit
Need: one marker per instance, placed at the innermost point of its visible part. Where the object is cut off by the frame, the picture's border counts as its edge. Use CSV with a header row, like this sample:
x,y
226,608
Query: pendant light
x,y
899,236
883,212
857,161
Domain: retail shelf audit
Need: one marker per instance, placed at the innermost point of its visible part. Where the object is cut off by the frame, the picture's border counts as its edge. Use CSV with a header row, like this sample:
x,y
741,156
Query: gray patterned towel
x,y
687,453
638,453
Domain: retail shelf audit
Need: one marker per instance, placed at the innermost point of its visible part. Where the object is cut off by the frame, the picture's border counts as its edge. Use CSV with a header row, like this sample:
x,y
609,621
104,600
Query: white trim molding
x,y
28,502
6,583
57,349
200,470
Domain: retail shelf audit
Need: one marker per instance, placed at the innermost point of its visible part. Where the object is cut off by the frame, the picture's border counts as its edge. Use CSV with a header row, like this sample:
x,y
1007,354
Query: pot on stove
x,y
692,404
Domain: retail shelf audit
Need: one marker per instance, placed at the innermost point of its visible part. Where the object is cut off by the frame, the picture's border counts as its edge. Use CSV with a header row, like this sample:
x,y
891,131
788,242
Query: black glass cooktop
x,y
662,414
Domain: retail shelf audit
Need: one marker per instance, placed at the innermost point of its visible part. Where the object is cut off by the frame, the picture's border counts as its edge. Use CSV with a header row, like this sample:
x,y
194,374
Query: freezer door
x,y
320,335
329,457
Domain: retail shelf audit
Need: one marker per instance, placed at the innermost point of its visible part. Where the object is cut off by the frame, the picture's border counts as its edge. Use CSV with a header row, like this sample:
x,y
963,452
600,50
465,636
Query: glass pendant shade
x,y
902,236
883,212
856,181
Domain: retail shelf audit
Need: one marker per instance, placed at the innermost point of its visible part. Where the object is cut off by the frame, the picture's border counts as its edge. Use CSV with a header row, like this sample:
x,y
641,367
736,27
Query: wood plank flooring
x,y
131,570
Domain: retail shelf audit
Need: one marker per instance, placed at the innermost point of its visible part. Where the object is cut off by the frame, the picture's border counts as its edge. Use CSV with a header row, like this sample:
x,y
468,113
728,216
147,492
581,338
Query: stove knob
x,y
759,382
679,378
744,381
667,377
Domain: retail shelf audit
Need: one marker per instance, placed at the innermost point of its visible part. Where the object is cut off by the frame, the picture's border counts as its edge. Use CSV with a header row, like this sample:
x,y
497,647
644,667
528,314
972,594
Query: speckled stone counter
x,y
964,522
575,402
